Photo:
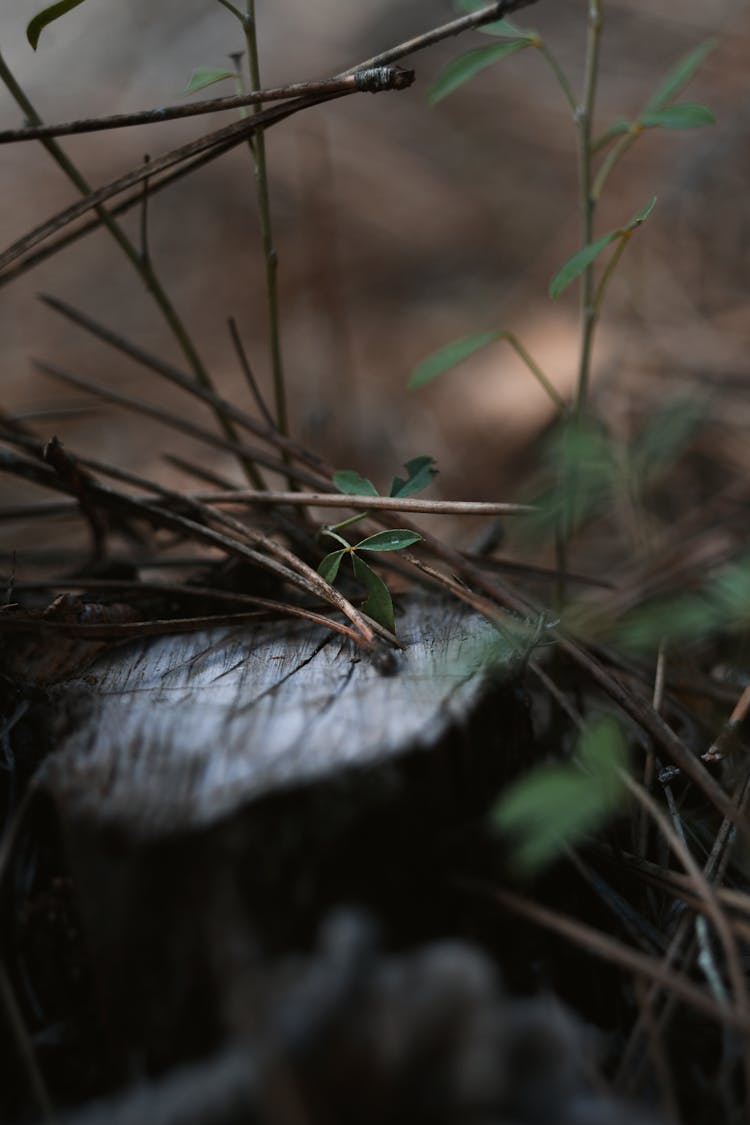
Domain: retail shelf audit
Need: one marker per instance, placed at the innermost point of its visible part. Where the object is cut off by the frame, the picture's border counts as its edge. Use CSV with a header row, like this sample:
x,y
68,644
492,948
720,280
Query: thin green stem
x,y
141,263
622,242
264,207
611,133
231,8
534,368
585,117
560,75
247,371
614,156
348,522
239,82
339,538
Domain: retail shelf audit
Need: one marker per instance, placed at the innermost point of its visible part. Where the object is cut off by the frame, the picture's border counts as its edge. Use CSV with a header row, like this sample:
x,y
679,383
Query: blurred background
x,y
399,226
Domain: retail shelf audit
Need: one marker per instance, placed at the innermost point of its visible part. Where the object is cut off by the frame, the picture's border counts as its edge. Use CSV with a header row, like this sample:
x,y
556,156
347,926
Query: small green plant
x,y
379,604
660,111
556,806
200,78
589,474
47,16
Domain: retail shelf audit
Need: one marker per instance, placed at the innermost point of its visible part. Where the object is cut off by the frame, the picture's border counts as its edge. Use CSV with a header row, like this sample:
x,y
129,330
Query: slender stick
x,y
249,374
267,497
492,12
436,35
218,142
141,264
376,503
248,456
588,203
270,255
161,626
612,950
371,80
173,375
704,889
279,560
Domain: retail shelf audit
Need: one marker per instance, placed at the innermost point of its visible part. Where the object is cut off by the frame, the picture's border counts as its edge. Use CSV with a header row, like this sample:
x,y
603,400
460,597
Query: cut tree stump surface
x,y
216,795
176,732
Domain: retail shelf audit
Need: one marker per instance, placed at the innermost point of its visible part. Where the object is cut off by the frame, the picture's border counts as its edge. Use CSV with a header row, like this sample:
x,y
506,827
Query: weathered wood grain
x,y
177,732
212,796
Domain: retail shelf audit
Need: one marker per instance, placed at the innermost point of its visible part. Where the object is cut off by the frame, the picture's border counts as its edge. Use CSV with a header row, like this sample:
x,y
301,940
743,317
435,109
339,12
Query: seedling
x,y
558,804
379,605
661,111
555,806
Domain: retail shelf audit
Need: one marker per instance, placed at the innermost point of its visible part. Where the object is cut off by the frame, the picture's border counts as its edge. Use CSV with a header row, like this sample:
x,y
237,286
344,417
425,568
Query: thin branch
x,y
446,31
159,627
376,503
270,255
300,575
53,246
706,892
167,371
267,498
587,201
455,27
713,870
613,951
249,374
216,142
200,472
175,422
372,80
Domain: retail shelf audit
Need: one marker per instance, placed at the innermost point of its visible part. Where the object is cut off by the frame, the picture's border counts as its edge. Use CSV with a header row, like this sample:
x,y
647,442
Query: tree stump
x,y
215,795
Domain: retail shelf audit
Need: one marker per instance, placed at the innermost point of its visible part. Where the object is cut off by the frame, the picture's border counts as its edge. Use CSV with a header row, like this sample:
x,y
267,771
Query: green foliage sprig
x,y
556,806
47,16
379,604
660,111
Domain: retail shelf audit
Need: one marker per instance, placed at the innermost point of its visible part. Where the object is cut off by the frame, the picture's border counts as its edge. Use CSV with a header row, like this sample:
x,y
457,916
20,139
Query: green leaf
x,y
730,594
378,605
616,129
679,76
549,809
420,472
394,540
583,258
333,534
351,483
553,807
466,66
583,462
666,436
578,263
497,27
48,16
506,29
204,76
601,751
329,567
642,215
684,115
449,356
686,620
690,619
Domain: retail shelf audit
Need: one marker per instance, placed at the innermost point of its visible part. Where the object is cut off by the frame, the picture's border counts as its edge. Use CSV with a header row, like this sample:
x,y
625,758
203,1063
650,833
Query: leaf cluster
x,y
554,806
660,111
591,473
379,604
721,606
